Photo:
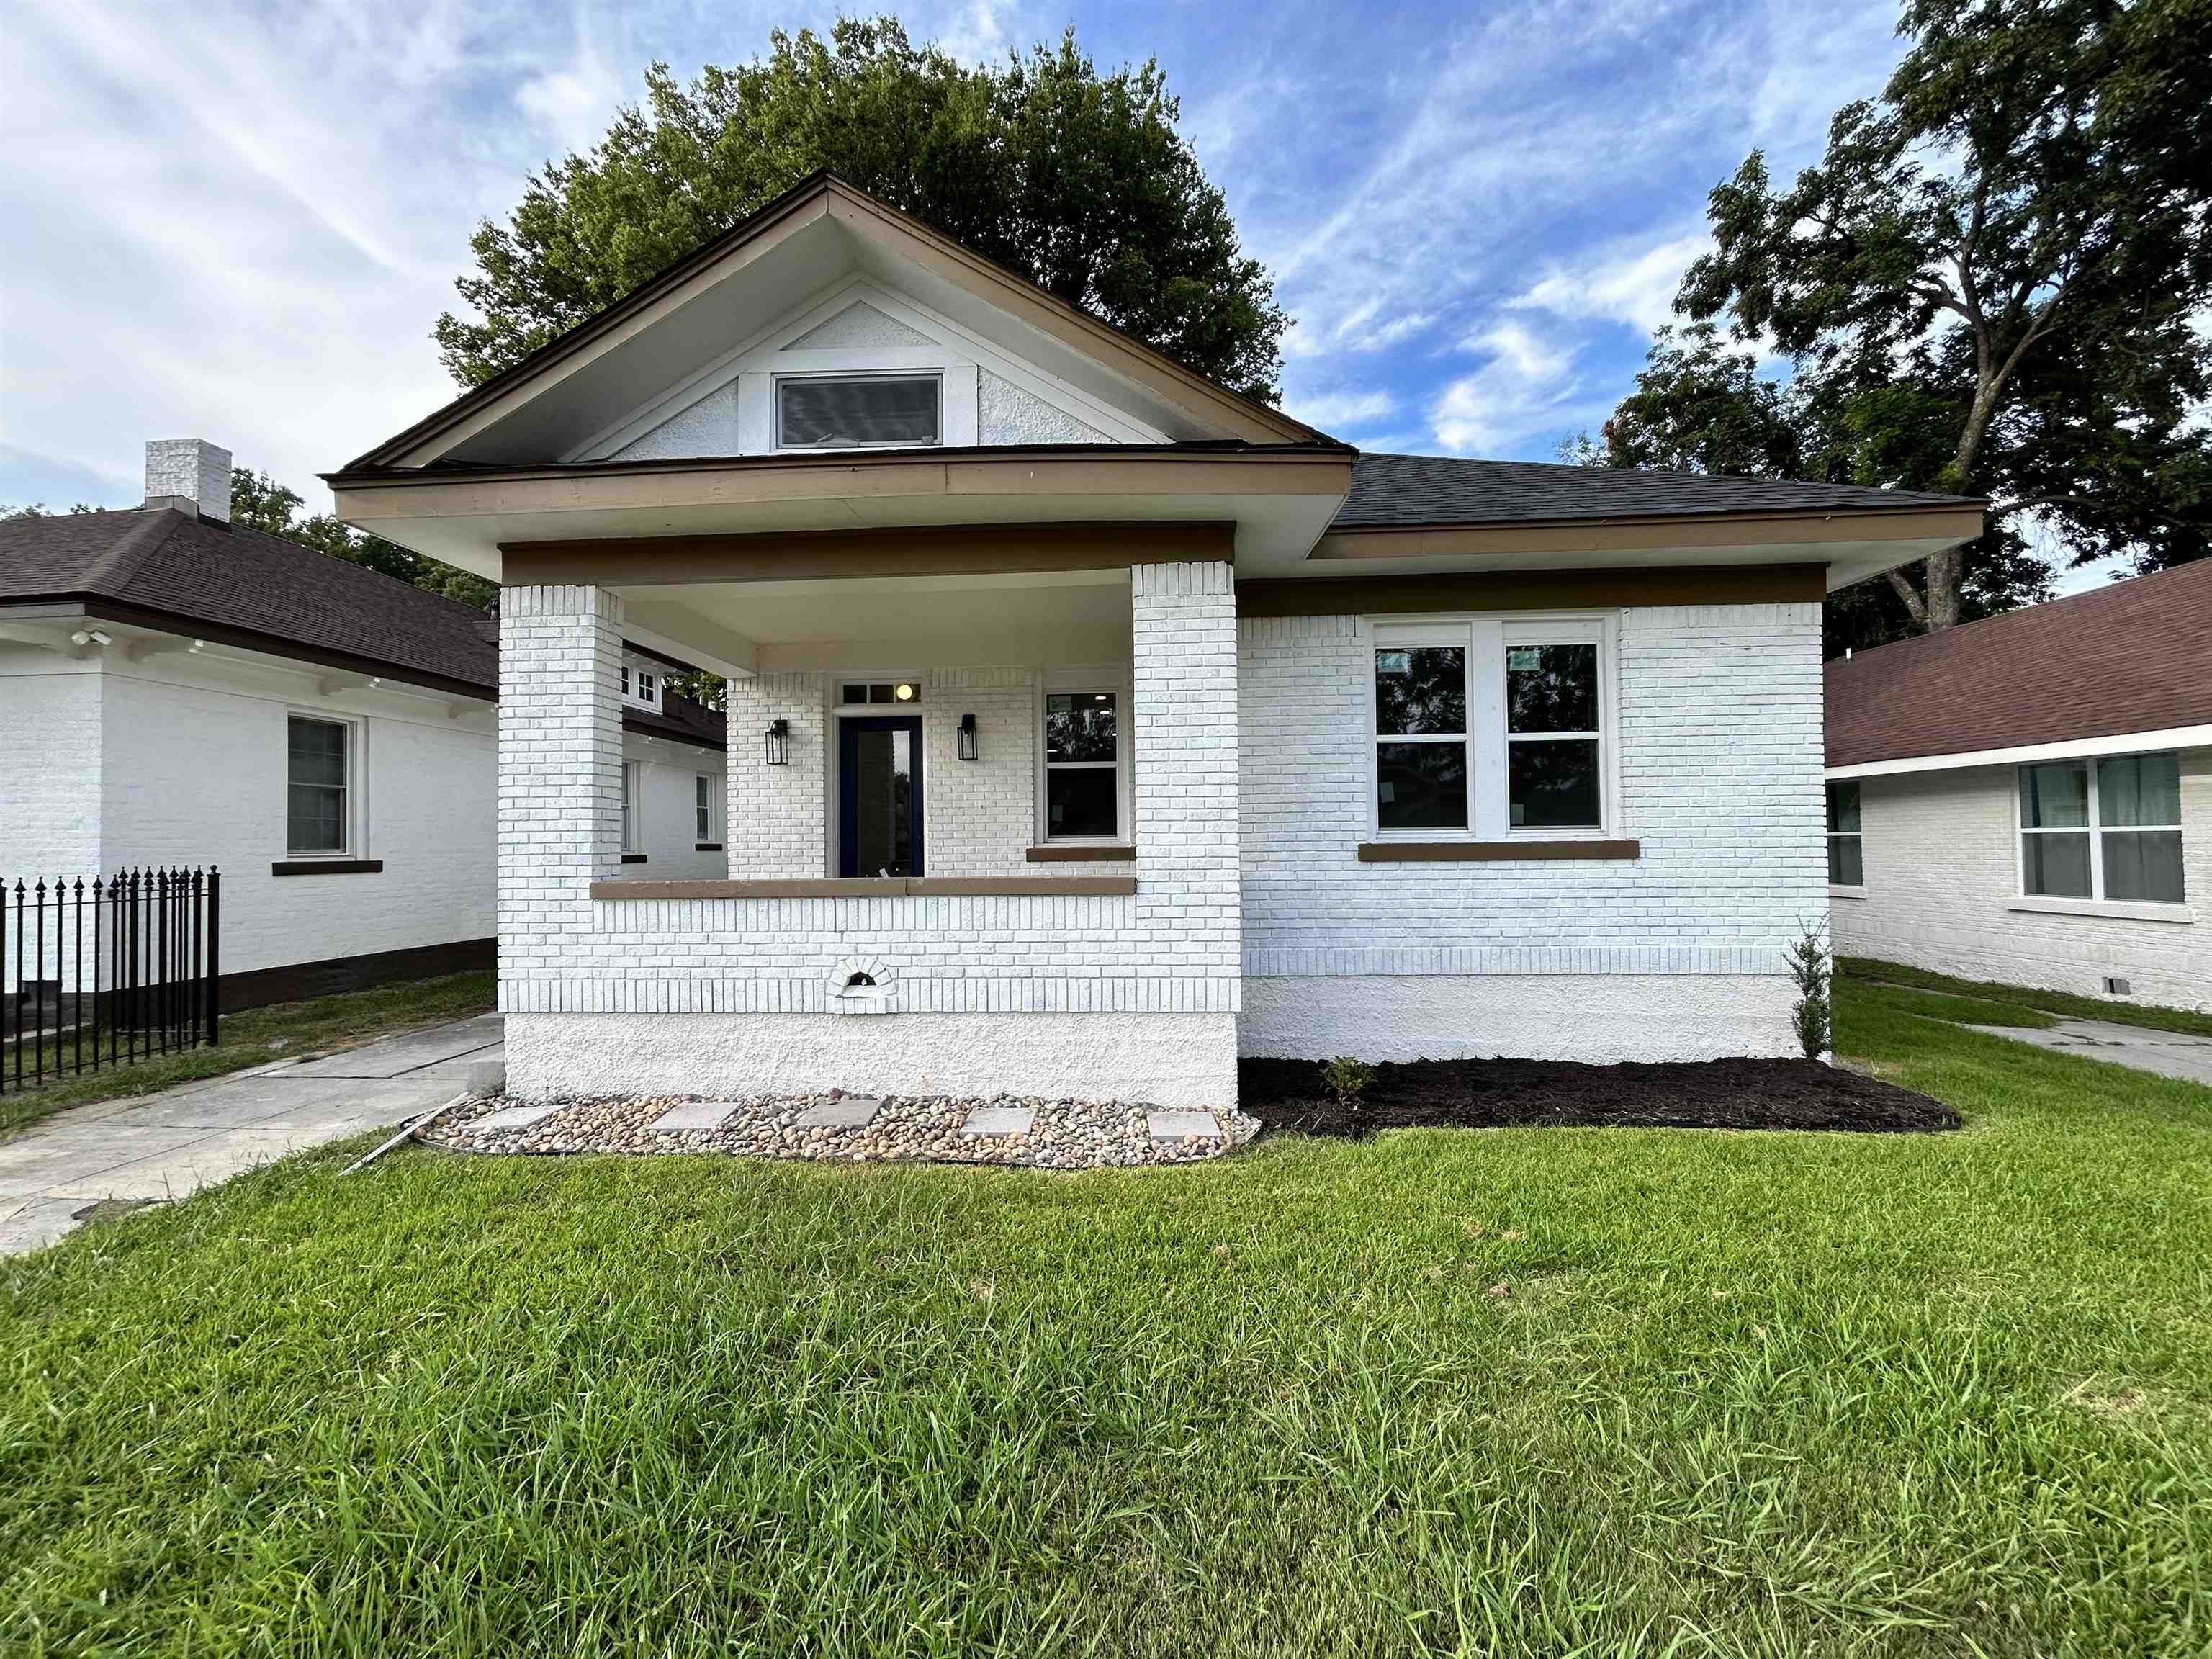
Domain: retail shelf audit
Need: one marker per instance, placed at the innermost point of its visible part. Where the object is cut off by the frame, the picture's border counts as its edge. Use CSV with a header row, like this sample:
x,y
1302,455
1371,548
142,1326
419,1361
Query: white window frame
x,y
706,806
2096,903
1839,889
641,684
779,381
1485,637
1077,682
354,821
633,806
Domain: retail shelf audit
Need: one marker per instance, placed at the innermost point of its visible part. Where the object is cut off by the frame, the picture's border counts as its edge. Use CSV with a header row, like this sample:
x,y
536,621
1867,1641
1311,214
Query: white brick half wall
x,y
1719,746
1943,875
994,974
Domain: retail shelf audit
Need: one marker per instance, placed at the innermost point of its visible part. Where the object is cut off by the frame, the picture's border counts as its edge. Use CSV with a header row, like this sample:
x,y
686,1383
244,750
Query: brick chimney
x,y
190,474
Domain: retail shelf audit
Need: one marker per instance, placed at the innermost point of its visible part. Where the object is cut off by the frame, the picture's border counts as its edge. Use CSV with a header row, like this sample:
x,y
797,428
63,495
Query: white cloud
x,y
1342,411
1620,285
1527,386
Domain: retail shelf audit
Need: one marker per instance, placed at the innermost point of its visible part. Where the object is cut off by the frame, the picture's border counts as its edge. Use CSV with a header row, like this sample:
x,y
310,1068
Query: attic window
x,y
857,411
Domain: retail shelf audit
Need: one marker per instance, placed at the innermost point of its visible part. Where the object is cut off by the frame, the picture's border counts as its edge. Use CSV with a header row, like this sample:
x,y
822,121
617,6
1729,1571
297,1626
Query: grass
x,y
256,1035
2145,1014
1557,1392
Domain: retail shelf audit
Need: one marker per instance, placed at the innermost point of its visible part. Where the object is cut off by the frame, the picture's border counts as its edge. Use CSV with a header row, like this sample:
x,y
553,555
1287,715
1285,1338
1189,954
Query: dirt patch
x,y
1713,1094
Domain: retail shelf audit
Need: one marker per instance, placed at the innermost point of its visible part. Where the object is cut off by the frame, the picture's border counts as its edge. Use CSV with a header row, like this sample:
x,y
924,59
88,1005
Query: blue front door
x,y
879,796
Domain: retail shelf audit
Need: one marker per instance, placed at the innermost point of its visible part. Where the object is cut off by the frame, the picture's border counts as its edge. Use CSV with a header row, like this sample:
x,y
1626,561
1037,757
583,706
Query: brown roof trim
x,y
361,476
818,194
1792,526
1535,590
912,551
669,733
101,608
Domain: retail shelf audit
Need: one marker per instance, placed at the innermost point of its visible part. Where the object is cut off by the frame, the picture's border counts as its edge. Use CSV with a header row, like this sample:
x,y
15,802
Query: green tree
x,y
259,502
1076,180
1989,284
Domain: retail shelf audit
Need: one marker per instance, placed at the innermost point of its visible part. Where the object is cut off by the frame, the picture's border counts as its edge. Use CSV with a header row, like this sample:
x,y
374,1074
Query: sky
x,y
239,222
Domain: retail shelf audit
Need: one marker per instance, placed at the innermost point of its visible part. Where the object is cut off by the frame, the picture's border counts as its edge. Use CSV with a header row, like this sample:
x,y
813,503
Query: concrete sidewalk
x,y
2169,1054
164,1146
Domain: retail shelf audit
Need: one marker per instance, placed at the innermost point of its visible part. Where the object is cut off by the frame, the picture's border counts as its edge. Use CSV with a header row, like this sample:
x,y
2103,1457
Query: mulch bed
x,y
1482,1094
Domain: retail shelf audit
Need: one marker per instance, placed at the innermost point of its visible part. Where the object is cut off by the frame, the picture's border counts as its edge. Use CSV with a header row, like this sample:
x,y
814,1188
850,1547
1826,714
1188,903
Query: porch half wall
x,y
1112,996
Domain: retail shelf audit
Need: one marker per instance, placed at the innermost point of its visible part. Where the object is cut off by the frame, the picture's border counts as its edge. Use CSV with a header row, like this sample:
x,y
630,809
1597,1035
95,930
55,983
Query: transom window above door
x,y
1491,727
853,693
857,411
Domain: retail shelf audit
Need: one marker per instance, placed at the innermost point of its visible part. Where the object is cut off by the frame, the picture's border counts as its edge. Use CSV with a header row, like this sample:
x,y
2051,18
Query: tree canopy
x,y
1076,180
1993,282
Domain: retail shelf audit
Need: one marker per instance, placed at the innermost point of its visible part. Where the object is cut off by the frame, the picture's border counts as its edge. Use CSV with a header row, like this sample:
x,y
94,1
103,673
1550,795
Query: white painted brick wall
x,y
1719,746
50,777
981,814
560,780
1940,874
777,822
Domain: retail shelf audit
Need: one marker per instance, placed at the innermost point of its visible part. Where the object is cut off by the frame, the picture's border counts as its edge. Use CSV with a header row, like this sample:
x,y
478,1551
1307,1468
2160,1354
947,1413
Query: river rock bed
x,y
1065,1134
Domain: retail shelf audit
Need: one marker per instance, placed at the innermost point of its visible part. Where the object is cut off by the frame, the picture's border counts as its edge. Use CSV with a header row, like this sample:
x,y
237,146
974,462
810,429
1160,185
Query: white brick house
x,y
1088,725
178,689
2028,799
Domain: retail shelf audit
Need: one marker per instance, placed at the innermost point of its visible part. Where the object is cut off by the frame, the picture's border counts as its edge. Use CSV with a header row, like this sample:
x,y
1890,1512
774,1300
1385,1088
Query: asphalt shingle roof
x,y
1393,490
2133,657
272,593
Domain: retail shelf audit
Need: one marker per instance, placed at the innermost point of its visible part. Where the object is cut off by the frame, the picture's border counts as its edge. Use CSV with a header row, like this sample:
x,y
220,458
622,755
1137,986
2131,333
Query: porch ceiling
x,y
891,625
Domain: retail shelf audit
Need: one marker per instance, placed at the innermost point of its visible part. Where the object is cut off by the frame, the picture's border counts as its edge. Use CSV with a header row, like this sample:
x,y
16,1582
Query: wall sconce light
x,y
779,742
966,736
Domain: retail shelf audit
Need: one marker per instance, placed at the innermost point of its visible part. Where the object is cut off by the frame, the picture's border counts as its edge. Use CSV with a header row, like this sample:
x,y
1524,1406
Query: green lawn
x,y
1593,1392
2019,997
257,1036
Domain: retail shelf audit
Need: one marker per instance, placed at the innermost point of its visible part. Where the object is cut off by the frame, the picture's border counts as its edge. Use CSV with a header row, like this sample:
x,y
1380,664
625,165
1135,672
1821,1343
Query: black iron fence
x,y
107,971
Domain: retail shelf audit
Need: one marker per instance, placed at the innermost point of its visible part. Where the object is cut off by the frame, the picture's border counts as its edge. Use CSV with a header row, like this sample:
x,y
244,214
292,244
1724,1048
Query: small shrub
x,y
1813,970
1347,1079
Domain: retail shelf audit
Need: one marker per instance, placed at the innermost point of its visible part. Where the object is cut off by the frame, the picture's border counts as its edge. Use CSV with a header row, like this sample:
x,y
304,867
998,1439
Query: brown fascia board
x,y
1533,590
831,195
1793,527
916,551
100,608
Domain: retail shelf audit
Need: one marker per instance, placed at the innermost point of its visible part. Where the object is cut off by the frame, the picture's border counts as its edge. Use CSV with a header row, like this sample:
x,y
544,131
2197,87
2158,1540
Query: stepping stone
x,y
1180,1125
1000,1121
514,1117
853,1112
693,1115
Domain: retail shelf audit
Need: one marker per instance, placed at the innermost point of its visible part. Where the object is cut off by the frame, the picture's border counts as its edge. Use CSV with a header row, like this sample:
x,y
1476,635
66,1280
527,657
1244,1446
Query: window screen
x,y
880,409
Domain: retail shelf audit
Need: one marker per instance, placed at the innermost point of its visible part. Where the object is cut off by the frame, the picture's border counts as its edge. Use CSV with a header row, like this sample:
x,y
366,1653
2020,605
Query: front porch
x,y
979,829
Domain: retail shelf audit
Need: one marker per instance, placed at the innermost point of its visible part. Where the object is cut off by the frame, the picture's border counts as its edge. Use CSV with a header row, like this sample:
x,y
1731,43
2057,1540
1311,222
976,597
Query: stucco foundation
x,y
1596,1017
1161,1059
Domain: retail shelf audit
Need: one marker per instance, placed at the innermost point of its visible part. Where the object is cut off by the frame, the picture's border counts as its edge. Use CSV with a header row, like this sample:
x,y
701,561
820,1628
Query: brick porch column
x,y
560,780
1184,731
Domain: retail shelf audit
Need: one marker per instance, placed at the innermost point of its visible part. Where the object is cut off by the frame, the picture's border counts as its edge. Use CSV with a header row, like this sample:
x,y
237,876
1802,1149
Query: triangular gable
x,y
574,392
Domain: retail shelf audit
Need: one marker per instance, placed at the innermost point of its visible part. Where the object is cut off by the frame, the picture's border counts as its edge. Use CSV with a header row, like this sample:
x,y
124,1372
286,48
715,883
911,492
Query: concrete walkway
x,y
2169,1054
167,1145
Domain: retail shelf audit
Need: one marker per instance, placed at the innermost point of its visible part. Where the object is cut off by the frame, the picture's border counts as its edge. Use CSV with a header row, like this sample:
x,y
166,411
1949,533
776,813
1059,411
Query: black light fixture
x,y
966,736
779,746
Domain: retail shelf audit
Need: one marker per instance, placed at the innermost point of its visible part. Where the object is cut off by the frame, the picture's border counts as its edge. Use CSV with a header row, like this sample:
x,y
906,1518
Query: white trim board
x,y
2124,742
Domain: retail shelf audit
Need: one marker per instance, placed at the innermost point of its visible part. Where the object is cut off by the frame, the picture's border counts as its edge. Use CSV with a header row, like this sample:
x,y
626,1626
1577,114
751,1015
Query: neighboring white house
x,y
2028,799
176,690
1089,722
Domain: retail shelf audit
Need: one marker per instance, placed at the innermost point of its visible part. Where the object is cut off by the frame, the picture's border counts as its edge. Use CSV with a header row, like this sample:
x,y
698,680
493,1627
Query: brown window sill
x,y
1079,852
1489,852
877,887
327,868
707,846
633,858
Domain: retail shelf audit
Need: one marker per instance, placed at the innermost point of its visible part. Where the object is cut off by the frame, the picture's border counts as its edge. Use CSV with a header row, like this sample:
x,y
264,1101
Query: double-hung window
x,y
1082,765
1846,842
1491,729
2108,829
317,802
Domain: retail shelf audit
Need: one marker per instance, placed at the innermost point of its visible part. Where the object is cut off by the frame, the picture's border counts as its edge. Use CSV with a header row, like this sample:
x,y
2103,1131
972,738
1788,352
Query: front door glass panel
x,y
879,796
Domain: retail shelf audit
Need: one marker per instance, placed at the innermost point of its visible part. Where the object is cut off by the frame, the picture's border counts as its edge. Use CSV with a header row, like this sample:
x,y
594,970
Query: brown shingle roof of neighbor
x,y
1392,490
2133,657
172,570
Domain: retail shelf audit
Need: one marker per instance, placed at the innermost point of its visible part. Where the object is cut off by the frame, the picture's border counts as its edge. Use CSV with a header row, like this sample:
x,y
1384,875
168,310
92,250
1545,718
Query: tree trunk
x,y
1940,586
